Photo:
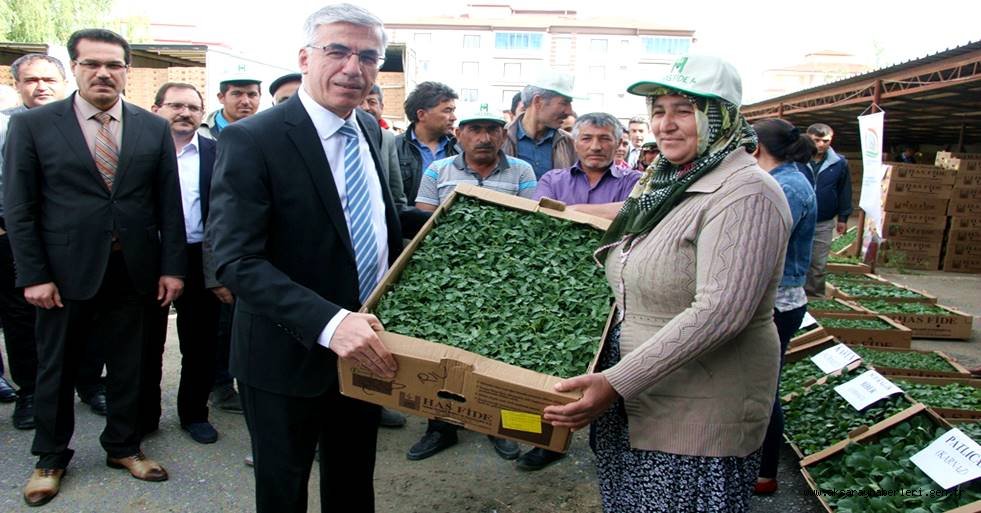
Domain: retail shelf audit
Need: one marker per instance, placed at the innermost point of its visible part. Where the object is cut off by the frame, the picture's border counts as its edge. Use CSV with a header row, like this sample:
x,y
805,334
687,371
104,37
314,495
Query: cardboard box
x,y
898,337
915,205
965,236
966,193
964,207
912,232
893,188
928,247
955,325
921,173
868,435
948,414
928,261
460,387
911,218
816,334
970,163
967,180
962,263
854,309
965,223
833,291
968,248
959,370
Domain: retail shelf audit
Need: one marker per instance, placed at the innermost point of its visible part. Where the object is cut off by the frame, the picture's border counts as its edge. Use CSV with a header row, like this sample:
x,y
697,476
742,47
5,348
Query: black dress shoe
x,y
505,448
96,401
24,412
7,392
537,459
201,432
391,419
431,444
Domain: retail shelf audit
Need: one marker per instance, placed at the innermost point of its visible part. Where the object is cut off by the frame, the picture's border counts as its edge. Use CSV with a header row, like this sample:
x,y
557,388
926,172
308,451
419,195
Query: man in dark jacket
x,y
833,186
431,109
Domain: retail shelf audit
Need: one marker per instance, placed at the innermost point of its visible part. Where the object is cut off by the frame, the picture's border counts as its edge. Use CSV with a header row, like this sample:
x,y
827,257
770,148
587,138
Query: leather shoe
x,y
765,487
505,448
96,401
391,419
431,444
7,392
225,398
139,466
538,458
24,412
43,486
201,432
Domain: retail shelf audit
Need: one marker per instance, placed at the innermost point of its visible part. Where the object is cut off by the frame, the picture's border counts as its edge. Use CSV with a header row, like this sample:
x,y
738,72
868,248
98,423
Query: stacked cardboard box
x,y
963,244
915,202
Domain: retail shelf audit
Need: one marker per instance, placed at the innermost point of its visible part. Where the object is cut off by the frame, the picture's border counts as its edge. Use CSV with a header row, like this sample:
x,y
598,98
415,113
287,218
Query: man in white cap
x,y
534,135
239,97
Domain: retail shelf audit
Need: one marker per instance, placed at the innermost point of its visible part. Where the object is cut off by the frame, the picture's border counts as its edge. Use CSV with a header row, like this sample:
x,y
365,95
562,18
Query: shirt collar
x,y
88,110
522,134
193,145
326,122
443,139
502,162
617,172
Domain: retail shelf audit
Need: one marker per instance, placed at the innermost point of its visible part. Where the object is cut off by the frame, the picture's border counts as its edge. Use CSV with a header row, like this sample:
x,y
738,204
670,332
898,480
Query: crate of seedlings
x,y
911,362
818,307
954,399
807,334
868,329
819,417
873,473
799,371
882,291
925,320
847,244
492,303
847,264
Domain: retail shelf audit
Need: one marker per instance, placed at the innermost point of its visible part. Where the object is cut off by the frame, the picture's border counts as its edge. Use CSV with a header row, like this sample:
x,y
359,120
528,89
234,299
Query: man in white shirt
x,y
197,309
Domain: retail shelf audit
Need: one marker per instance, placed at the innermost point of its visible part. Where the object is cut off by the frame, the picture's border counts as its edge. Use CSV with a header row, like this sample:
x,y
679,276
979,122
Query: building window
x,y
471,41
422,38
666,45
517,41
468,95
512,70
470,69
598,45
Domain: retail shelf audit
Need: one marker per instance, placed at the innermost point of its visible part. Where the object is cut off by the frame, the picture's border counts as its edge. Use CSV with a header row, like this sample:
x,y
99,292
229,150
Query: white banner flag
x,y
870,130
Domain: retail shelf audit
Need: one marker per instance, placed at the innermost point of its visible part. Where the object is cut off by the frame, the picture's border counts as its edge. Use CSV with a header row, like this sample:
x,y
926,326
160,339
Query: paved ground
x,y
467,478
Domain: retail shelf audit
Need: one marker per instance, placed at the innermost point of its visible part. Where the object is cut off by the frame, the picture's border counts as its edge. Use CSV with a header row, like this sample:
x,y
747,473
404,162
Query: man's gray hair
x,y
30,58
530,92
641,120
343,13
599,120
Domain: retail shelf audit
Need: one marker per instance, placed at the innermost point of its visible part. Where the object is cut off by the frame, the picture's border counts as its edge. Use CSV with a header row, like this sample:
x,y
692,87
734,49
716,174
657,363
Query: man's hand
x,y
841,227
597,396
44,295
224,295
169,288
355,340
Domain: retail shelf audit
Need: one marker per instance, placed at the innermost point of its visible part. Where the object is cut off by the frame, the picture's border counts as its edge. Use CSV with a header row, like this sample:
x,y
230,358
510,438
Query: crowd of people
x,y
267,230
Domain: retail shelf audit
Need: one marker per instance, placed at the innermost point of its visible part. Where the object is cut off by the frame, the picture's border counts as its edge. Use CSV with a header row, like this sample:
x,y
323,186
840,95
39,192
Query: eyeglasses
x,y
181,106
96,65
340,54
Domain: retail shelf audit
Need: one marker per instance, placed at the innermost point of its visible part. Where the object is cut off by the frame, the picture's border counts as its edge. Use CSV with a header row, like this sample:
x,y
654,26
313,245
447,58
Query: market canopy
x,y
933,100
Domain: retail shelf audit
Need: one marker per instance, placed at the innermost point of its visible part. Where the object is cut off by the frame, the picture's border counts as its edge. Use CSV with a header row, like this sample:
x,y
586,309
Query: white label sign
x,y
808,320
866,389
834,358
951,459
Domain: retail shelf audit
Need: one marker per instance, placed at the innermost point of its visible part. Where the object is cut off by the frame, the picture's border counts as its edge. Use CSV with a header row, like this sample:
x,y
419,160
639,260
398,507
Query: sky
x,y
753,35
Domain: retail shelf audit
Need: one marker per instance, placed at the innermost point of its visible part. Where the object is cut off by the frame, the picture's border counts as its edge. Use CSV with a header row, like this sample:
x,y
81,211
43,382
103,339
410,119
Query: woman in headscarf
x,y
688,376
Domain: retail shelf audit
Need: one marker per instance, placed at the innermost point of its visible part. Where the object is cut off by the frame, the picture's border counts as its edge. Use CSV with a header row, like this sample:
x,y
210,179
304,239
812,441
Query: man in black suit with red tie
x,y
303,229
94,215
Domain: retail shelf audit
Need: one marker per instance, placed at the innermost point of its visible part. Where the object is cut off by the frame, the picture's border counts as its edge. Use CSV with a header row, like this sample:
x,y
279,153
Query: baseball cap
x,y
481,112
698,75
557,82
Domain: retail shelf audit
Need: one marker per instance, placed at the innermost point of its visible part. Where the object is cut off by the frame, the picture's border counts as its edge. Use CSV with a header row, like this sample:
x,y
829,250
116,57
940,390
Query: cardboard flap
x,y
551,204
456,373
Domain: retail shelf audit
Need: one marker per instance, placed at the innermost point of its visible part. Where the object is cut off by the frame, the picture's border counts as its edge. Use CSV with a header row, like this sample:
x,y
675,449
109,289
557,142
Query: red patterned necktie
x,y
106,151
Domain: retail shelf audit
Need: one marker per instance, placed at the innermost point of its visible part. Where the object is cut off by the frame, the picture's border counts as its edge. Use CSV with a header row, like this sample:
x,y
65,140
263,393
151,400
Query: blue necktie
x,y
358,208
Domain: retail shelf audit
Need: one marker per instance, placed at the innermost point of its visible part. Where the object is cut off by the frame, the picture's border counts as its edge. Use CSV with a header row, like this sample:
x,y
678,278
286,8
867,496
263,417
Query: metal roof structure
x,y
935,99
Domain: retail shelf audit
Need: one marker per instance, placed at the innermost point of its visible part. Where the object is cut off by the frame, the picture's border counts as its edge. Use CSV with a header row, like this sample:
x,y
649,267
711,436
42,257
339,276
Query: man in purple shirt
x,y
594,184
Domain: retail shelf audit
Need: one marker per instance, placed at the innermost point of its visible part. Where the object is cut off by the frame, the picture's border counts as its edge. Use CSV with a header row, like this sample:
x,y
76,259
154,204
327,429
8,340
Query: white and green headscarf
x,y
721,131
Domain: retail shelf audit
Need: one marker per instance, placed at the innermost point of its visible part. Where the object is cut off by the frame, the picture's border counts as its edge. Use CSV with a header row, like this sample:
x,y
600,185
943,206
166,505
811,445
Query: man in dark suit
x,y
94,214
302,230
197,308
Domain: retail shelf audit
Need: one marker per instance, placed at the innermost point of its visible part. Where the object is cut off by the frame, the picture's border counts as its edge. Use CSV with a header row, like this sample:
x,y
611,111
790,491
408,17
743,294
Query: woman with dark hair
x,y
781,147
686,380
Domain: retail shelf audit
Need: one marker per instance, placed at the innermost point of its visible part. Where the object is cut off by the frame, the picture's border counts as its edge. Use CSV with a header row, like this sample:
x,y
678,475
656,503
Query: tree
x,y
49,21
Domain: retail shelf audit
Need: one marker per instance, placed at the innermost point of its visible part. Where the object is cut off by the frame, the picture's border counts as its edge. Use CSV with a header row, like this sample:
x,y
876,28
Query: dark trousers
x,y
116,316
154,340
285,431
223,351
197,328
787,323
18,324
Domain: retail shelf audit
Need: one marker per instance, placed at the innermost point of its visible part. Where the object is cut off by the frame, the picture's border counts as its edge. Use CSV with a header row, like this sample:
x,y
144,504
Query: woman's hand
x,y
597,396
